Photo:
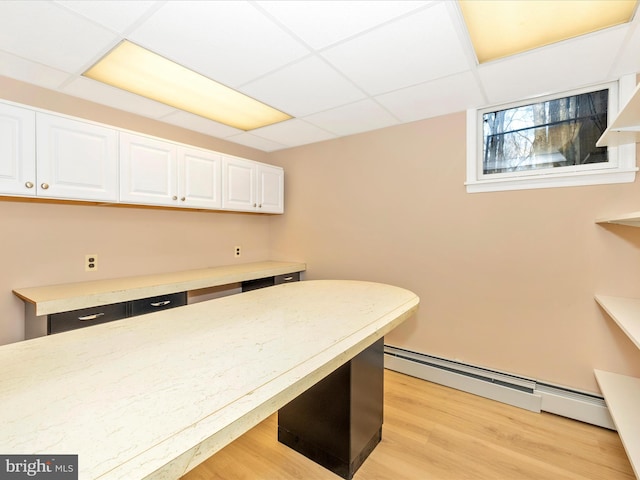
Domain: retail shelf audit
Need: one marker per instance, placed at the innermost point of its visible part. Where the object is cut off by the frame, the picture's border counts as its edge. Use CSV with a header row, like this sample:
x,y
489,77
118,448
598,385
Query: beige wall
x,y
45,243
506,279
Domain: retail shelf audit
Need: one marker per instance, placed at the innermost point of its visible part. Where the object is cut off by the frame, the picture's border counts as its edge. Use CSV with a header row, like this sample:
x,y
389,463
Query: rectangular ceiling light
x,y
500,28
145,73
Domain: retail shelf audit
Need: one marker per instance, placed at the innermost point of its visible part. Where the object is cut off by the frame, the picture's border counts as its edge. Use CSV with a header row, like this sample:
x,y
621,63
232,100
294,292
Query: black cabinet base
x,y
338,422
321,457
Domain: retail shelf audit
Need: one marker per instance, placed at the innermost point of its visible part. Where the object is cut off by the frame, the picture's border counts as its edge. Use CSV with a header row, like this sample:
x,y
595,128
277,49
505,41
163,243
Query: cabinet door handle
x,y
182,199
287,279
160,304
174,198
29,184
44,186
90,317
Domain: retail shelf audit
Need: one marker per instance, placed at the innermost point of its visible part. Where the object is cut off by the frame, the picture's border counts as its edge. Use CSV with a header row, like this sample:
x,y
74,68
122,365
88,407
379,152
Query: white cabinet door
x,y
75,160
148,171
238,184
270,188
250,186
17,151
199,178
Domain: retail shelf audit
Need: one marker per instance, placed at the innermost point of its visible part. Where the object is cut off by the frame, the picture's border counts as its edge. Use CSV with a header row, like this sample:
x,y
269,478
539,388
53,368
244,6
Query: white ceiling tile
x,y
117,15
31,72
129,102
376,63
322,23
229,41
553,69
199,124
259,143
353,118
414,49
293,133
49,34
305,87
431,99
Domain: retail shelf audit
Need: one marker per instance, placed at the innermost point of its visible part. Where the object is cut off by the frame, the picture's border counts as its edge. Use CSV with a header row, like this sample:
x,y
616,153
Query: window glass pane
x,y
550,134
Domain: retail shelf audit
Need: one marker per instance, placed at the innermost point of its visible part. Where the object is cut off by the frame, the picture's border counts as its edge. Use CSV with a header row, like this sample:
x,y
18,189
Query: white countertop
x,y
153,396
73,296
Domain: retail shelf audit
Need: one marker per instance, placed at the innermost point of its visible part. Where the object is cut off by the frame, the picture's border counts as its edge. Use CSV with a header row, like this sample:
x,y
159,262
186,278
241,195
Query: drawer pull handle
x,y
160,304
287,279
90,317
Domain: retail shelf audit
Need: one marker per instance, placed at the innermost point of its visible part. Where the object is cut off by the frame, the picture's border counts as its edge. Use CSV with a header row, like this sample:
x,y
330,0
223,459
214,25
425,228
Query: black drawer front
x,y
85,317
249,285
155,304
270,281
287,277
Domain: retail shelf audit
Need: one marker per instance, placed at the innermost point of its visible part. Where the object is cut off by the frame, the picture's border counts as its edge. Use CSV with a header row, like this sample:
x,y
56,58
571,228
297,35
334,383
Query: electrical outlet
x,y
90,262
237,251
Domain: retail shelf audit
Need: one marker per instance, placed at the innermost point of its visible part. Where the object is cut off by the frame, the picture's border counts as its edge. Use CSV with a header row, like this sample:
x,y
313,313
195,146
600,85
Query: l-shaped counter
x,y
52,299
73,296
155,395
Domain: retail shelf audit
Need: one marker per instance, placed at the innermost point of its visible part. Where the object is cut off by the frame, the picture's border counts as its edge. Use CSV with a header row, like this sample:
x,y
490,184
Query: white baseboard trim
x,y
586,408
502,387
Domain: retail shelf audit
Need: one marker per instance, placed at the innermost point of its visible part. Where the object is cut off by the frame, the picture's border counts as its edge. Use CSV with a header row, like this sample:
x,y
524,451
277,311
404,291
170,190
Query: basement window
x,y
546,142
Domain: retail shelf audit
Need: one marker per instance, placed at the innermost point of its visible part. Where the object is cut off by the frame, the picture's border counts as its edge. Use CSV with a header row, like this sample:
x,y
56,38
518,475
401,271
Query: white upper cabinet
x,y
52,156
157,172
270,188
249,186
75,160
199,178
17,151
148,171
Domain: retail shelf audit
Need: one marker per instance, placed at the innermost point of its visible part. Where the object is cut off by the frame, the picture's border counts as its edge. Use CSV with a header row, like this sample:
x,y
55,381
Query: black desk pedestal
x,y
338,422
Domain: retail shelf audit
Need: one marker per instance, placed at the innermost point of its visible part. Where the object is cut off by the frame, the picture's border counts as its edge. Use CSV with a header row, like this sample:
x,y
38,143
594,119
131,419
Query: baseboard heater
x,y
503,387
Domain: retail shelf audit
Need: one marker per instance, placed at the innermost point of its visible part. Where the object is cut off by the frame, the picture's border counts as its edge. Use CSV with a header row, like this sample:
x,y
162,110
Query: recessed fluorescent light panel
x,y
499,28
137,70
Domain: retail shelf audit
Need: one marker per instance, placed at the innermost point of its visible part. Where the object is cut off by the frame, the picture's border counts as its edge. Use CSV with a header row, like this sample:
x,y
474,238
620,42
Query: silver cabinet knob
x,y
29,184
182,199
174,198
255,205
260,206
44,186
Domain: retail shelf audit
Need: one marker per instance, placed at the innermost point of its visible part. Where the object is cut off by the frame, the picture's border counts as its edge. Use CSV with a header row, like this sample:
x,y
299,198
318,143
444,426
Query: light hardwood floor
x,y
434,432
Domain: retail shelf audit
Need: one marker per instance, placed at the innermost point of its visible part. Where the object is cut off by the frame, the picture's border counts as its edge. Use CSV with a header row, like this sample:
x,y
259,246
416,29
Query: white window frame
x,y
621,167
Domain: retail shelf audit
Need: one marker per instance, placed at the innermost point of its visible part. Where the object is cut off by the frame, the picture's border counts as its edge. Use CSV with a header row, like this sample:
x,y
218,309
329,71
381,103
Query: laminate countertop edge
x,y
73,296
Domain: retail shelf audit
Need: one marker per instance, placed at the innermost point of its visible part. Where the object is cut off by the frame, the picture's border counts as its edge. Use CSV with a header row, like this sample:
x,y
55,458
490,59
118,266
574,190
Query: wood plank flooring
x,y
434,432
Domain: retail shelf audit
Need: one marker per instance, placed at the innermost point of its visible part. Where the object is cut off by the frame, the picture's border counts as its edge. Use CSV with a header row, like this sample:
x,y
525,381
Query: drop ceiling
x,y
338,67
